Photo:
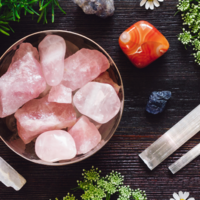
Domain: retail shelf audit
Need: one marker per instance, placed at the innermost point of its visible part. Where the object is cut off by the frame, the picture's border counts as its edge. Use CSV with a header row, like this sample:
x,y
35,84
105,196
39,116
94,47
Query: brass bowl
x,y
8,125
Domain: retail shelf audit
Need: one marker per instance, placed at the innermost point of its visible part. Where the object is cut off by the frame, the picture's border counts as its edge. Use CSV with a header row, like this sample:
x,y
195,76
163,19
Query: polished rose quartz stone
x,y
85,134
39,115
82,67
52,53
52,146
105,78
22,82
98,101
60,94
143,43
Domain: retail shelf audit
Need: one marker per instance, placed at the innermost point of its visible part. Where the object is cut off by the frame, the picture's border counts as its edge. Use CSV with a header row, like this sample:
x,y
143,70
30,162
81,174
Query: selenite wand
x,y
174,138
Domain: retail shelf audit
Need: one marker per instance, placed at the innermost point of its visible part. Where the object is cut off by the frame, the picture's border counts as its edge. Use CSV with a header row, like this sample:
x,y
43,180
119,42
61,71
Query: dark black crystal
x,y
157,101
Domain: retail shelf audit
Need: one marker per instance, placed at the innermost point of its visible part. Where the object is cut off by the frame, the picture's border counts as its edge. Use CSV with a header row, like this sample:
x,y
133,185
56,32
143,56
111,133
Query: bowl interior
x,y
74,41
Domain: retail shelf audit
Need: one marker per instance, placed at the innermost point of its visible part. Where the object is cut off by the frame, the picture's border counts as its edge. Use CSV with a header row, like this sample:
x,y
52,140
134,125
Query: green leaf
x,y
29,11
17,15
33,10
52,8
59,6
4,32
40,16
11,10
43,7
5,28
2,22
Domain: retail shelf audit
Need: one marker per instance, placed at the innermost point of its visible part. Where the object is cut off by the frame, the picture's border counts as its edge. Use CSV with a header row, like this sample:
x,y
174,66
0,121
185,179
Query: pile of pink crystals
x,y
51,91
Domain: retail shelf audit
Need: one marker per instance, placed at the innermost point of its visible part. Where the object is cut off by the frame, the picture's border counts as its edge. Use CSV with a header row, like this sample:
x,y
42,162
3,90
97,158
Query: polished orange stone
x,y
143,43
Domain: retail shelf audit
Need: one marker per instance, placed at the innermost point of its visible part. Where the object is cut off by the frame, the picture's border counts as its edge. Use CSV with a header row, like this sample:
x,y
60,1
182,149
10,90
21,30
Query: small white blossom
x,y
150,3
181,196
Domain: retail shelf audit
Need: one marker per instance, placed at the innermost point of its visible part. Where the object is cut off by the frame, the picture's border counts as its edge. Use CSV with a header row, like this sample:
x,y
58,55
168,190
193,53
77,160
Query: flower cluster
x,y
191,17
96,187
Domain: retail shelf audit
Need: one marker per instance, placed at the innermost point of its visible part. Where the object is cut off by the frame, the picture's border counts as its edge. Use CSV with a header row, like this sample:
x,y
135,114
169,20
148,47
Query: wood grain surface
x,y
175,71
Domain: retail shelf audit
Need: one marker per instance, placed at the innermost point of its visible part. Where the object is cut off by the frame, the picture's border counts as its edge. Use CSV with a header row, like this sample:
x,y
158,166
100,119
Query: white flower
x,y
181,196
150,3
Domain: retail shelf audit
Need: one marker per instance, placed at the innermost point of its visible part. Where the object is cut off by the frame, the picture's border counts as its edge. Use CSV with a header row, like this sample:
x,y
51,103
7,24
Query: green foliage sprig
x,y
96,187
11,10
190,12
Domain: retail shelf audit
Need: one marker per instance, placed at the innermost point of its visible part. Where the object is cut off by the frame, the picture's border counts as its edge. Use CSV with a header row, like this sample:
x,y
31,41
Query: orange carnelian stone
x,y
143,43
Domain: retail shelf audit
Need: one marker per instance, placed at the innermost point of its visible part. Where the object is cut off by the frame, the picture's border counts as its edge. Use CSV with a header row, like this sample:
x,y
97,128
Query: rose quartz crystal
x,y
98,101
25,48
52,53
82,67
52,146
60,94
105,78
22,82
85,134
39,115
46,91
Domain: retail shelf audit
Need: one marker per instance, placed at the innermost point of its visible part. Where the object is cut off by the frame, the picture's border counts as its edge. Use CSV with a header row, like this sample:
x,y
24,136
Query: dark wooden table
x,y
175,71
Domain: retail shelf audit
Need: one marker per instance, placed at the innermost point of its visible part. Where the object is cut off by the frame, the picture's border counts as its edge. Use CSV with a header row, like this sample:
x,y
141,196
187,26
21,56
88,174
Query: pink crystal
x,y
52,53
52,146
85,134
105,78
25,48
46,91
22,82
60,94
39,115
98,101
82,67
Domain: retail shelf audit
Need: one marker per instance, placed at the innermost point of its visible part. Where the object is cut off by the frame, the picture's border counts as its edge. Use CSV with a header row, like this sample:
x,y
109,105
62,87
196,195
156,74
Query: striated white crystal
x,y
9,176
185,159
172,139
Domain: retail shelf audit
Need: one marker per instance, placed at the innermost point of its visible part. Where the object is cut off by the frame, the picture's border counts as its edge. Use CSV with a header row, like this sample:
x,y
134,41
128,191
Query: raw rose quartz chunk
x,y
105,78
83,66
52,53
46,91
22,82
25,48
60,94
39,115
98,101
52,146
85,134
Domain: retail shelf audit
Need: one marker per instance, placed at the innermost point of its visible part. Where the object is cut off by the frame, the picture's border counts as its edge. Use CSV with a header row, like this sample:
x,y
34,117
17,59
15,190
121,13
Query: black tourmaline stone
x,y
102,8
157,102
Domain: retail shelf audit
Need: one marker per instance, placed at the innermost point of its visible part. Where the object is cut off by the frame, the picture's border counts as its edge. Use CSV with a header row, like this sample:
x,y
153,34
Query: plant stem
x,y
107,196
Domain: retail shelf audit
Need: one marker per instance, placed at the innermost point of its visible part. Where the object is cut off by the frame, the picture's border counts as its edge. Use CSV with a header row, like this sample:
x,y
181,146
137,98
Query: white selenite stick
x,y
9,176
185,159
174,138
